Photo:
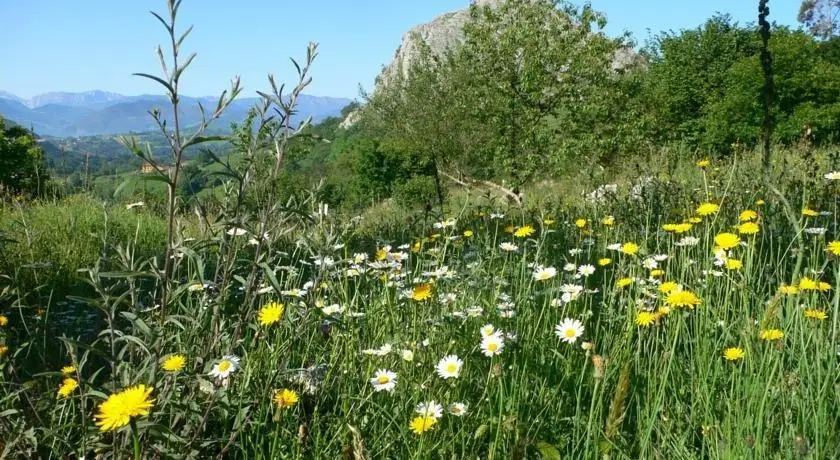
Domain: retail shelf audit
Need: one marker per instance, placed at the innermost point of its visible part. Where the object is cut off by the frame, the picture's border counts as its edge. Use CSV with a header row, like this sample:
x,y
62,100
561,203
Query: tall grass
x,y
621,390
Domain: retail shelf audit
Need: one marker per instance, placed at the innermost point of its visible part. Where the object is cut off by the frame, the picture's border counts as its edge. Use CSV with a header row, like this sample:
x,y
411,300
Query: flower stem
x,y
136,436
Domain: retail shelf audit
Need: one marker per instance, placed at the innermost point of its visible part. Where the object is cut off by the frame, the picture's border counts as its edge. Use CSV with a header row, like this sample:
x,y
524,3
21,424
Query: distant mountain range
x,y
94,113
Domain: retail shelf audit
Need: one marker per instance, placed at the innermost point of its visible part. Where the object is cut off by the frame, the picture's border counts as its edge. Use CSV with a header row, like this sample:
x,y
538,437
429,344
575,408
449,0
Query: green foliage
x,y
22,167
415,192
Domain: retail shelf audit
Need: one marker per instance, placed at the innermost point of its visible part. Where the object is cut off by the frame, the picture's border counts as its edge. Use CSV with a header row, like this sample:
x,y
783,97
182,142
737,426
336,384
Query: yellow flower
x,y
67,386
727,240
668,287
608,221
67,370
663,311
285,398
733,264
3,350
759,202
629,248
677,228
422,424
509,229
119,408
468,233
548,221
788,290
834,248
523,231
812,313
174,363
422,292
807,284
695,220
645,318
771,334
382,253
4,320
748,215
707,209
624,282
657,272
733,354
748,228
808,212
270,313
681,298
604,262
415,248
823,286
703,163
580,223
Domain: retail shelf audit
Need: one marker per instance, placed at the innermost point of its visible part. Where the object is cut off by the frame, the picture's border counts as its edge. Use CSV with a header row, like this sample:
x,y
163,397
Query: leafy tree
x,y
22,165
821,17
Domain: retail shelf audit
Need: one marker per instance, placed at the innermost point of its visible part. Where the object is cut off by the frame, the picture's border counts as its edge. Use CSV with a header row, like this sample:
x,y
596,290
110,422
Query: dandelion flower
x,y
174,363
707,209
807,284
733,354
67,370
624,282
449,367
823,286
668,287
645,318
67,387
270,313
524,231
285,398
117,411
430,408
422,292
569,330
548,221
808,212
727,240
604,261
226,366
812,313
657,273
468,233
733,264
788,290
384,380
609,221
492,345
580,223
4,320
3,349
748,228
747,215
703,163
771,334
629,248
682,299
422,424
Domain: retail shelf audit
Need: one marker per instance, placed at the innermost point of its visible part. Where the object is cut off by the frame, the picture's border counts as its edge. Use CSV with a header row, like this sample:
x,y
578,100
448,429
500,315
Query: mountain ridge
x,y
96,112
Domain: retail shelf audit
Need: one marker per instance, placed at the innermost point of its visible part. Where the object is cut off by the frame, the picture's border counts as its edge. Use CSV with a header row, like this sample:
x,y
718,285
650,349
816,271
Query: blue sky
x,y
62,45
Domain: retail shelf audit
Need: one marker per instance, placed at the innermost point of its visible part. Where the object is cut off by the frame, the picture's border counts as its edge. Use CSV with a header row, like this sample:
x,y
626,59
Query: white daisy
x,y
430,409
688,241
384,380
492,345
586,270
236,231
449,367
569,330
575,251
614,247
226,366
334,309
509,247
833,175
457,409
487,330
544,273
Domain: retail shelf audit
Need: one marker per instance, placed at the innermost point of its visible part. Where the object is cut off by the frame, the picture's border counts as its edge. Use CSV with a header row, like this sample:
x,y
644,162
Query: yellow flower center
x,y
224,366
383,379
451,368
570,332
493,346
